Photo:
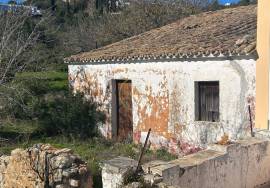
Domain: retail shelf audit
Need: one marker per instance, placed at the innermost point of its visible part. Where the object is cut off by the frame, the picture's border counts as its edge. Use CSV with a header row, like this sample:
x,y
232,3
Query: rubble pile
x,y
42,165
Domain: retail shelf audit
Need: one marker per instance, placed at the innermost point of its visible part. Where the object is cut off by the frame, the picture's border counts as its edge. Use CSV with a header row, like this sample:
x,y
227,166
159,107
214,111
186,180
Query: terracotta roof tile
x,y
225,32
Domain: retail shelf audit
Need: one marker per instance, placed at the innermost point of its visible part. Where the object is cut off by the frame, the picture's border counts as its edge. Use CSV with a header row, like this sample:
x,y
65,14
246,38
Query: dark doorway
x,y
122,125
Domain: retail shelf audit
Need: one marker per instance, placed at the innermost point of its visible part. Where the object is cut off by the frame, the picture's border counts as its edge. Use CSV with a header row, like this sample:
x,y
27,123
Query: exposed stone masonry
x,y
42,164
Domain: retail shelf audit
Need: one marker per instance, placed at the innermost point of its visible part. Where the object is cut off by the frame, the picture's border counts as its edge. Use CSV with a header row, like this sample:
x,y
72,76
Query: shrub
x,y
69,115
44,97
27,89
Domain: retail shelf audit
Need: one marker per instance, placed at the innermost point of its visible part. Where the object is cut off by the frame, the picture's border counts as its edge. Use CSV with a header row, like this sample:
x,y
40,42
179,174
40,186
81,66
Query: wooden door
x,y
122,108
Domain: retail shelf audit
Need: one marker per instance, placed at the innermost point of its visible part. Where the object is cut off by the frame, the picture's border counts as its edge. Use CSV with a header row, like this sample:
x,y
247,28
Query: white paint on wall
x,y
175,81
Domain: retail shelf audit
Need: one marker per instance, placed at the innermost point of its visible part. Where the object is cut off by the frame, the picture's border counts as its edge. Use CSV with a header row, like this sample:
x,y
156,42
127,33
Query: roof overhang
x,y
211,57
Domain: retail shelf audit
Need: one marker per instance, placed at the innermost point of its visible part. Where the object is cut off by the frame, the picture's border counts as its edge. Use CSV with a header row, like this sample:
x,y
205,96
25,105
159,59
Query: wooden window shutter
x,y
207,99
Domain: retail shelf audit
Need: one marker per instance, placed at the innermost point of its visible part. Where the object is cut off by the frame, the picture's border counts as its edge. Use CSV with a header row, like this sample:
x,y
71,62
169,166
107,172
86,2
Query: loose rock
x,y
26,167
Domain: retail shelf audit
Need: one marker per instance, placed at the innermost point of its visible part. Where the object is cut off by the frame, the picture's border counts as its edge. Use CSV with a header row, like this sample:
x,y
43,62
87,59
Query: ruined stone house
x,y
191,81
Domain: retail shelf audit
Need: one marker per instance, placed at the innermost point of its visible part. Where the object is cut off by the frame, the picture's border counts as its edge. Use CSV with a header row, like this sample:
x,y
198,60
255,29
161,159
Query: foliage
x,y
160,153
76,26
18,35
215,5
94,151
19,127
46,98
69,115
27,89
44,76
12,2
131,176
246,2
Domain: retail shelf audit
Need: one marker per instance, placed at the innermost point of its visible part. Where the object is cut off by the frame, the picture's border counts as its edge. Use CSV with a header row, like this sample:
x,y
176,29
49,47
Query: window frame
x,y
197,99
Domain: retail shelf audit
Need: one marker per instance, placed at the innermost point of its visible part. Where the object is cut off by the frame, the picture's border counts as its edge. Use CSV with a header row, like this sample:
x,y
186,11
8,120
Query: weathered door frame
x,y
115,104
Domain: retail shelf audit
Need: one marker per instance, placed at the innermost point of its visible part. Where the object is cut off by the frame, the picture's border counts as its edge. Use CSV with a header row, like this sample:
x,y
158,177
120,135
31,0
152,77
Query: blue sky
x,y
5,1
228,1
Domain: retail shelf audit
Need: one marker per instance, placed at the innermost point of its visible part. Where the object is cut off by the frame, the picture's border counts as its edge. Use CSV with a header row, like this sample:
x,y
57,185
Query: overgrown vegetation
x,y
47,100
70,115
94,151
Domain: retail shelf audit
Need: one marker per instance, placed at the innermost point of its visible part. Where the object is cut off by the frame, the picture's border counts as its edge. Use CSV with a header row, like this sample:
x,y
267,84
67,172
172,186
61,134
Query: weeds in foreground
x,y
93,150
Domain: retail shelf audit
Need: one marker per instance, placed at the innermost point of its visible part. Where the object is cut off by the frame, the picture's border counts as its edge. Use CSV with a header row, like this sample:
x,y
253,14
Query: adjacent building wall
x,y
263,48
163,98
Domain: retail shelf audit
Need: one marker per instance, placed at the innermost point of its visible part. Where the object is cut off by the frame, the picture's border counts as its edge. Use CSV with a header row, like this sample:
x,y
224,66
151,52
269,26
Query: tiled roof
x,y
227,32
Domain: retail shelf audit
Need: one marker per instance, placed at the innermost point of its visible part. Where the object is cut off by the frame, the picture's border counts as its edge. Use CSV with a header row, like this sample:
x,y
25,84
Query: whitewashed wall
x,y
163,98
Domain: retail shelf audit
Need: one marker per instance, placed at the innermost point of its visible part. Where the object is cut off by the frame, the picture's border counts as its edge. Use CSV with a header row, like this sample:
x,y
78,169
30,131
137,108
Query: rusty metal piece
x,y
143,149
250,121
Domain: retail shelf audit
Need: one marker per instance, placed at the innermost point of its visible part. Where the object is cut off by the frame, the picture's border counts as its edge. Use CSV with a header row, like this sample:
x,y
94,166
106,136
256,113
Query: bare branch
x,y
15,40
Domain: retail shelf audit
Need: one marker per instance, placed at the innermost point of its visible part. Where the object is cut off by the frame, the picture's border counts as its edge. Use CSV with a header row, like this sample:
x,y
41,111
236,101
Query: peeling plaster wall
x,y
244,164
163,98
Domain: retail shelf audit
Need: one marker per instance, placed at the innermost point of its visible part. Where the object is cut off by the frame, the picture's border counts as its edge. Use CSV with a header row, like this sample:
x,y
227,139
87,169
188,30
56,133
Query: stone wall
x,y
163,98
114,171
33,166
244,164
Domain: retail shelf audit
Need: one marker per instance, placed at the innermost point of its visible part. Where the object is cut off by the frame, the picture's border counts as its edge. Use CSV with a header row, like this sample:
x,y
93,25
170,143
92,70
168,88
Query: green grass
x,y
19,127
49,75
16,132
45,82
58,85
93,150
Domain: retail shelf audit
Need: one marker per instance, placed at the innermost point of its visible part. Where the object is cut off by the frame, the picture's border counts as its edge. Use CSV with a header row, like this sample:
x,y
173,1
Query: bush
x,y
26,91
69,115
45,98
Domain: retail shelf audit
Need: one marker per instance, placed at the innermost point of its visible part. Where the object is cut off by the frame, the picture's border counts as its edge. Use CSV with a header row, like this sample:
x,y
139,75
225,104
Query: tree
x,y
18,35
215,5
12,2
198,4
53,5
247,2
244,2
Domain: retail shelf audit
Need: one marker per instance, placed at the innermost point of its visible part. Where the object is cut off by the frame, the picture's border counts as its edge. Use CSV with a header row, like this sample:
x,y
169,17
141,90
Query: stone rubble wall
x,y
27,168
